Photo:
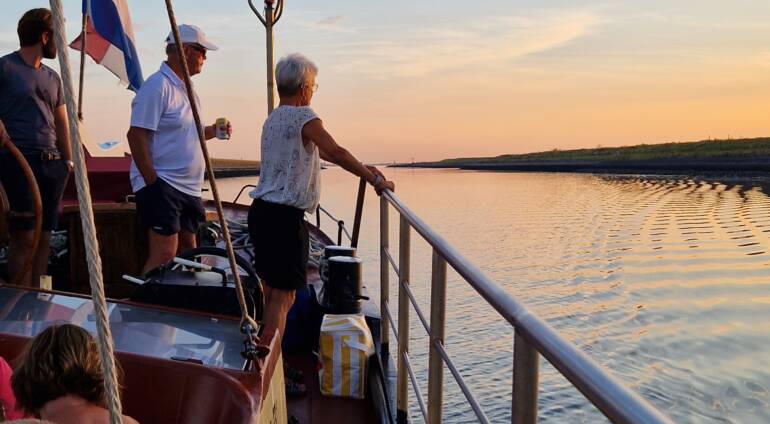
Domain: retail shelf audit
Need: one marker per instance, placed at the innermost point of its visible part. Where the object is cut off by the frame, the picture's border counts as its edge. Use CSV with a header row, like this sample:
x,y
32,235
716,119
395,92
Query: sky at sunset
x,y
424,80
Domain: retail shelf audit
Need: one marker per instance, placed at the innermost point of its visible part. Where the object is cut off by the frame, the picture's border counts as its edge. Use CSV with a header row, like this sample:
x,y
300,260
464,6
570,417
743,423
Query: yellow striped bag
x,y
345,346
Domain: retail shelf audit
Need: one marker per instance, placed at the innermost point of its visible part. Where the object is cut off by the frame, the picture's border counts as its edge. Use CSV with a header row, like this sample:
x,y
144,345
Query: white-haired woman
x,y
293,142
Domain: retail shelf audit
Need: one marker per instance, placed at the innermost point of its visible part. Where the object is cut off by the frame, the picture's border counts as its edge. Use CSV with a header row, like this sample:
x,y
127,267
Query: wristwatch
x,y
70,163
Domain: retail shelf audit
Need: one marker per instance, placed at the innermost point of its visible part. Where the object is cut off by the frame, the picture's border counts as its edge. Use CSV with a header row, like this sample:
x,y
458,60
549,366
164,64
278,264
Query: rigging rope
x,y
104,338
245,318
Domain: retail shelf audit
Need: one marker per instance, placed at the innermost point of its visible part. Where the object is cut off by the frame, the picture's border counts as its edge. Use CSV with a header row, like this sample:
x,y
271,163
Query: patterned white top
x,y
289,173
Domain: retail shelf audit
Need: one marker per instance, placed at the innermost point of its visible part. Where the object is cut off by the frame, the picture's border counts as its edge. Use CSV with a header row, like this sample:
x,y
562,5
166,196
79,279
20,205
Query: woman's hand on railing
x,y
381,183
384,185
375,171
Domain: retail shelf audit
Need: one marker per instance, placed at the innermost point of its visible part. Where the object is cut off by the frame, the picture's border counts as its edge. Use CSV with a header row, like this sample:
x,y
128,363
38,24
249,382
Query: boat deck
x,y
317,408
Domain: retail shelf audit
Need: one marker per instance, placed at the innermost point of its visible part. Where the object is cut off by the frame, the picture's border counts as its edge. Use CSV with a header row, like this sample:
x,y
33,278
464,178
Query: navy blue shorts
x,y
166,210
51,177
281,243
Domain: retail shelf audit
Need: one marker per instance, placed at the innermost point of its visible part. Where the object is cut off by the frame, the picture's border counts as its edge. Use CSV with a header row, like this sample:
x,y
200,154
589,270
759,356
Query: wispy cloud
x,y
494,41
331,21
329,24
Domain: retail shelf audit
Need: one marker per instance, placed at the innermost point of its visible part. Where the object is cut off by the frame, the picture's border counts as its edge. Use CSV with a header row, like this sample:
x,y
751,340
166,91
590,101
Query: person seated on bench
x,y
59,378
8,409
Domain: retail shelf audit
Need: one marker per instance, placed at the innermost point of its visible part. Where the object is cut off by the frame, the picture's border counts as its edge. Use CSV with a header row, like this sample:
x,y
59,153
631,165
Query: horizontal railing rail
x,y
532,336
238,196
341,229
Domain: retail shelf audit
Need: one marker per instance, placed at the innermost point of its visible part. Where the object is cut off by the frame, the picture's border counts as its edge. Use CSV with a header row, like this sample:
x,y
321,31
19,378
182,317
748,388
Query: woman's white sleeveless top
x,y
289,172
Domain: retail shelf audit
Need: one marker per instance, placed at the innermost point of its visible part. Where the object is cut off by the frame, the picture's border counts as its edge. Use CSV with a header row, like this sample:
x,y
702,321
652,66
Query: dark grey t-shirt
x,y
28,98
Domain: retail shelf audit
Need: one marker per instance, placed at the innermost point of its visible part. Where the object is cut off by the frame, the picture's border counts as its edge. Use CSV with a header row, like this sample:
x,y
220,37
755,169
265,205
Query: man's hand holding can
x,y
223,129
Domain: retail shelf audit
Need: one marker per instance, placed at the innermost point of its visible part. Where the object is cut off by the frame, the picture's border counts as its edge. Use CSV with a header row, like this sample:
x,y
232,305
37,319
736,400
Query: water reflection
x,y
664,281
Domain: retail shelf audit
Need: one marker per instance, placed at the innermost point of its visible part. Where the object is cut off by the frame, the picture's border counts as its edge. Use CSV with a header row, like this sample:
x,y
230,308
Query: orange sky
x,y
511,77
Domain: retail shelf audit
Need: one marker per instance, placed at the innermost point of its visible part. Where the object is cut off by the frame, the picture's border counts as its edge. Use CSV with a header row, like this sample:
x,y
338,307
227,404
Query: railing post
x,y
318,216
402,395
525,380
340,225
437,320
359,212
384,275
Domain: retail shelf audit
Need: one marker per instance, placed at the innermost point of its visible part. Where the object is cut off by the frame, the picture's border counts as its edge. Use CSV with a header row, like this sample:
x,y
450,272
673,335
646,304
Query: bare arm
x,y
330,151
209,132
62,132
139,141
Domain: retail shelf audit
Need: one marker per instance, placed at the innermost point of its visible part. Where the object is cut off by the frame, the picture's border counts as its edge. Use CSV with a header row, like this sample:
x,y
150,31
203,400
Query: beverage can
x,y
46,282
220,126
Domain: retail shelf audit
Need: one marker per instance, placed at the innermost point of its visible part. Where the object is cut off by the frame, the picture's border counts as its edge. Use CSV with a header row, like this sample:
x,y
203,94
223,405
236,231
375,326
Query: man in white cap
x,y
167,163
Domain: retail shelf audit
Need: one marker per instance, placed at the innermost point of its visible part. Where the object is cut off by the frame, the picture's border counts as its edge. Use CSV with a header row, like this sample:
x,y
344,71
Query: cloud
x,y
430,50
331,24
331,21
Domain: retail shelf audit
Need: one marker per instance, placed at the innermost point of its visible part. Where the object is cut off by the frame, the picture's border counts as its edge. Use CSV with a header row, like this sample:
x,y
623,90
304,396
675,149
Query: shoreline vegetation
x,y
225,168
740,157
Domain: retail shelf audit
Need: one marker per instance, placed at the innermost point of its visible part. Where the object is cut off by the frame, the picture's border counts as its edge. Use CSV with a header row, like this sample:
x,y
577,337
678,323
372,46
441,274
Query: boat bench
x,y
166,391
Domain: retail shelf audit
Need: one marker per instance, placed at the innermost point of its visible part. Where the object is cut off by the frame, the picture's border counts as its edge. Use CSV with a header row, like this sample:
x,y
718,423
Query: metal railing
x,y
352,238
532,337
341,229
241,191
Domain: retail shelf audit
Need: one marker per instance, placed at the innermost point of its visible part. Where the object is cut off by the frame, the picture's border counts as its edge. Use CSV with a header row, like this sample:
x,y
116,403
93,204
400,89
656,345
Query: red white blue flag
x,y
110,40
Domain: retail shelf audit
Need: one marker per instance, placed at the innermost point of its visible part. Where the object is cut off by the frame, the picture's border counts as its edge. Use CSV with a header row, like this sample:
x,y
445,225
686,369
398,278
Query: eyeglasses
x,y
198,48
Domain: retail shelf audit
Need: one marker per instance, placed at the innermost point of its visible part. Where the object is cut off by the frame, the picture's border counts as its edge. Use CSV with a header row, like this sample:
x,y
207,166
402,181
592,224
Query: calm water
x,y
666,282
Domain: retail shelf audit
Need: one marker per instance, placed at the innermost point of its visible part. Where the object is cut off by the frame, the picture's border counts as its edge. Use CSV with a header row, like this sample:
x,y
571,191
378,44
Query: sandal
x,y
295,389
292,374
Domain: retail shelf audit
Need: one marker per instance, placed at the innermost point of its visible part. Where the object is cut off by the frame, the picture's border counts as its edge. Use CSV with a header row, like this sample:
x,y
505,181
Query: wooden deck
x,y
315,408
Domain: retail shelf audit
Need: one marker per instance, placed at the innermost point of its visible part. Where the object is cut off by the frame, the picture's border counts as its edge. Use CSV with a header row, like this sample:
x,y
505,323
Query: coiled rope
x,y
104,338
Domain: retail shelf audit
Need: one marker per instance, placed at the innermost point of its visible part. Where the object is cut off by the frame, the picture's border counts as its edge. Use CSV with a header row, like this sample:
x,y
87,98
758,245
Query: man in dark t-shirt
x,y
33,111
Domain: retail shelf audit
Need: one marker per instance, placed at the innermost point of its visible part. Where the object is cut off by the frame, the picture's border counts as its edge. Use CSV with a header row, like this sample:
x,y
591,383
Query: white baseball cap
x,y
191,34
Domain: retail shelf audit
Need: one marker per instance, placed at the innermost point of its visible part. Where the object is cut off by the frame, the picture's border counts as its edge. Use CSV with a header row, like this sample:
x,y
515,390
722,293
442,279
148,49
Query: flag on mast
x,y
110,40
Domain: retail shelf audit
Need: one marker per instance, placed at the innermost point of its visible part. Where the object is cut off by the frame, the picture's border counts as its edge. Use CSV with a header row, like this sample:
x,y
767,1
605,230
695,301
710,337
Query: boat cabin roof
x,y
154,332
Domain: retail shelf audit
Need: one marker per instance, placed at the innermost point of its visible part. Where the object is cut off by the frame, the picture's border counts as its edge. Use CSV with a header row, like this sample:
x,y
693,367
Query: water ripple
x,y
663,281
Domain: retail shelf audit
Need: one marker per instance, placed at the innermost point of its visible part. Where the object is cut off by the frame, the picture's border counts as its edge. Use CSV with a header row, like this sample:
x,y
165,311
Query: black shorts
x,y
51,177
166,210
281,244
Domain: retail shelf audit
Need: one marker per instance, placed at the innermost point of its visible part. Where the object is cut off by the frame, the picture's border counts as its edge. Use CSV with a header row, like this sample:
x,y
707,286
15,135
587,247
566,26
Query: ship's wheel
x,y
5,209
6,214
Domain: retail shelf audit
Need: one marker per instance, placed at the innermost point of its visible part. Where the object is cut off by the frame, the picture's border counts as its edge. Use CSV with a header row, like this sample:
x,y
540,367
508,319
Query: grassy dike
x,y
740,156
234,167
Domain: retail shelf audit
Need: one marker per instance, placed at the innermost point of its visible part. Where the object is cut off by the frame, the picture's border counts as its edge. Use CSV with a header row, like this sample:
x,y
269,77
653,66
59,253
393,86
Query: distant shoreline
x,y
228,168
757,166
744,157
232,173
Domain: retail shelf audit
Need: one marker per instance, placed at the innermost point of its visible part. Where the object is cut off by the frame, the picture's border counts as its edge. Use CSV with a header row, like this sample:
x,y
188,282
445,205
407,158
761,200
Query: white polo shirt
x,y
161,106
